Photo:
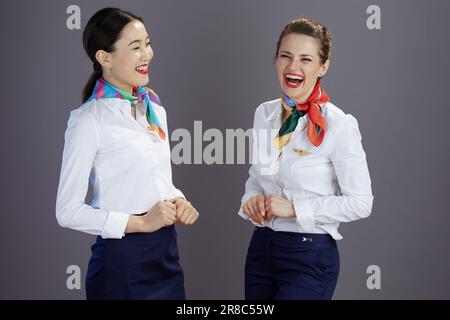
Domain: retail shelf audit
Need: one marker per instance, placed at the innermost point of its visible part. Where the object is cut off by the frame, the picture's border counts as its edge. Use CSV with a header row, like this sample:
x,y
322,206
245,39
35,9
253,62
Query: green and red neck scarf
x,y
316,122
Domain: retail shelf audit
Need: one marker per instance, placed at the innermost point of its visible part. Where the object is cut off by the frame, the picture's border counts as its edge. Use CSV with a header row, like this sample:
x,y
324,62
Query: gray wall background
x,y
393,80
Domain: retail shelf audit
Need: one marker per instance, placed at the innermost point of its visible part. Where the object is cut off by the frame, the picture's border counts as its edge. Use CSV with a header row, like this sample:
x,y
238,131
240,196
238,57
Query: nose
x,y
295,64
147,54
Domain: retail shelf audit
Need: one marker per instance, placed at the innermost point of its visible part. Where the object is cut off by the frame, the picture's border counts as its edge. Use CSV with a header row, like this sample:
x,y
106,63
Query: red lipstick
x,y
142,69
293,80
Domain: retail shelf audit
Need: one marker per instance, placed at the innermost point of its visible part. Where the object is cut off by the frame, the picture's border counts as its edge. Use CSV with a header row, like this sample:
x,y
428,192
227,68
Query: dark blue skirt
x,y
139,266
290,266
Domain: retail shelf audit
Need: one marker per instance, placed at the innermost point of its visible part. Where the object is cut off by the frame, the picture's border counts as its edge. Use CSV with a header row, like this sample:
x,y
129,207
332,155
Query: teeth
x,y
291,76
141,68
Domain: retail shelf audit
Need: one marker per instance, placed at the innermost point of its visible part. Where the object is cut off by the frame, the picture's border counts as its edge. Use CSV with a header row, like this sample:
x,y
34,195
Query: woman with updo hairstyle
x,y
315,178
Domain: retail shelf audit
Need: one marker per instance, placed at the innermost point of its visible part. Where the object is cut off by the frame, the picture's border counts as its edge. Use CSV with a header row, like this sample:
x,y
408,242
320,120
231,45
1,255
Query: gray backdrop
x,y
213,62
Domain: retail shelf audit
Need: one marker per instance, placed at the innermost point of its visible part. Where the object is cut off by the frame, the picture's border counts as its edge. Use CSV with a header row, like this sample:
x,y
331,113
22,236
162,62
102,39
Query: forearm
x,y
134,224
332,209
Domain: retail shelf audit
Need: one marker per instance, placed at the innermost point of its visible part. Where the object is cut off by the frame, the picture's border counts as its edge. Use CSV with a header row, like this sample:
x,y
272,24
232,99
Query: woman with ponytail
x,y
118,140
316,176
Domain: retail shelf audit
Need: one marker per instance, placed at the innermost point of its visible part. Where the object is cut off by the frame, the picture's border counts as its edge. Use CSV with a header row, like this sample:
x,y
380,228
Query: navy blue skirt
x,y
290,266
140,266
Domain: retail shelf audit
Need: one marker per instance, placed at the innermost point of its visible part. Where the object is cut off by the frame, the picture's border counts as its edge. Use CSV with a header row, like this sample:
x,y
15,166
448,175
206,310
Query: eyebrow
x,y
302,55
132,42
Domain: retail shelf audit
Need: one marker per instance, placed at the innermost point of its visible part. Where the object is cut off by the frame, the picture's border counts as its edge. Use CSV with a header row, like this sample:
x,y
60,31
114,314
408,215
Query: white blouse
x,y
128,166
328,184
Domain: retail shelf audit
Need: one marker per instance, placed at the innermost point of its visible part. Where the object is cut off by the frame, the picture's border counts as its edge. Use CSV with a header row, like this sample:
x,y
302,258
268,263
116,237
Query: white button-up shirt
x,y
128,166
328,184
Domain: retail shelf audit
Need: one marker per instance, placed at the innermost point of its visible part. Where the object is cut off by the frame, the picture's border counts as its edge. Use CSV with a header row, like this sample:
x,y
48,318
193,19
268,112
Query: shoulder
x,y
336,118
82,124
265,113
342,128
92,113
267,108
99,109
83,114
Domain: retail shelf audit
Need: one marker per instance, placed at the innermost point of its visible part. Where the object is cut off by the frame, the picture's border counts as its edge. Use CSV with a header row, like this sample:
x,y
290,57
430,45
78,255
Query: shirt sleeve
x,y
252,186
177,193
355,199
173,190
80,148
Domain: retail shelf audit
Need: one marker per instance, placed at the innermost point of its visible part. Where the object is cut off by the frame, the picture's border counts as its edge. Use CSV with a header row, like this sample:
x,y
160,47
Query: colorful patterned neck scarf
x,y
316,122
103,89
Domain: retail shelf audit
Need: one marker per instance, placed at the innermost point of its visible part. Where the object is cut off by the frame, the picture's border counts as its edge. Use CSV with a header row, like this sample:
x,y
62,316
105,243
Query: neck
x,y
124,87
305,97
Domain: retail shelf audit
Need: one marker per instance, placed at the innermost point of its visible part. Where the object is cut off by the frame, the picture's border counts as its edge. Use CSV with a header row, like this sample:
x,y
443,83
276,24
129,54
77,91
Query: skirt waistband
x,y
298,236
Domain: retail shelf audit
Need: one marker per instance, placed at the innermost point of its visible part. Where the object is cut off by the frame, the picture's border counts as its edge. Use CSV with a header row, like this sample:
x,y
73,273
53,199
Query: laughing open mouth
x,y
293,80
143,69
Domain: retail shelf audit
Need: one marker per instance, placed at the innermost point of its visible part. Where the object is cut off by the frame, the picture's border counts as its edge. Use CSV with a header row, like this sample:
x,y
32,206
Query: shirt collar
x,y
275,114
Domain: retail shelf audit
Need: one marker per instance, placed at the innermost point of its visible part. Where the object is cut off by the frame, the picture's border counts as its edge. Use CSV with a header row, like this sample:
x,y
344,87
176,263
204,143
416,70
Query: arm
x,y
80,148
175,192
254,209
185,212
349,161
252,188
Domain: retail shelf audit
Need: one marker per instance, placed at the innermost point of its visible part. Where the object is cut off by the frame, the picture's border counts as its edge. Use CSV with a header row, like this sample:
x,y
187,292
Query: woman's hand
x,y
254,208
185,212
277,206
162,214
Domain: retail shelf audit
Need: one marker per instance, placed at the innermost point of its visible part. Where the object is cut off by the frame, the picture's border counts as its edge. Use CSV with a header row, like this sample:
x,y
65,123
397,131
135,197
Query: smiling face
x,y
127,65
298,65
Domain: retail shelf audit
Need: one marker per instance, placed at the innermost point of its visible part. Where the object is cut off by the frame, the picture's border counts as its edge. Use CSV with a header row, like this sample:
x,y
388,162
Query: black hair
x,y
101,33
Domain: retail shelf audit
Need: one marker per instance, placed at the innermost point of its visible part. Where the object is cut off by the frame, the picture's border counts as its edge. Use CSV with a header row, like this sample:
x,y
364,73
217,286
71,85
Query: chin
x,y
142,81
294,94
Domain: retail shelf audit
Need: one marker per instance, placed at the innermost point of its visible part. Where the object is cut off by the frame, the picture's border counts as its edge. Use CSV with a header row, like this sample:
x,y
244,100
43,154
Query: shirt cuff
x,y
115,225
244,216
244,199
305,215
178,193
241,213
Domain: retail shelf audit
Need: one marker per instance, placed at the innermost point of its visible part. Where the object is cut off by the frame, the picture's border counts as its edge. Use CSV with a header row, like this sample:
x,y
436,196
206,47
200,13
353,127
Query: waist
x,y
324,238
163,234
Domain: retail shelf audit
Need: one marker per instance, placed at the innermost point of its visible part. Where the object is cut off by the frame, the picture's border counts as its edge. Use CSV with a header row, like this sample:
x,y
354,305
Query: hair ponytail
x,y
89,87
